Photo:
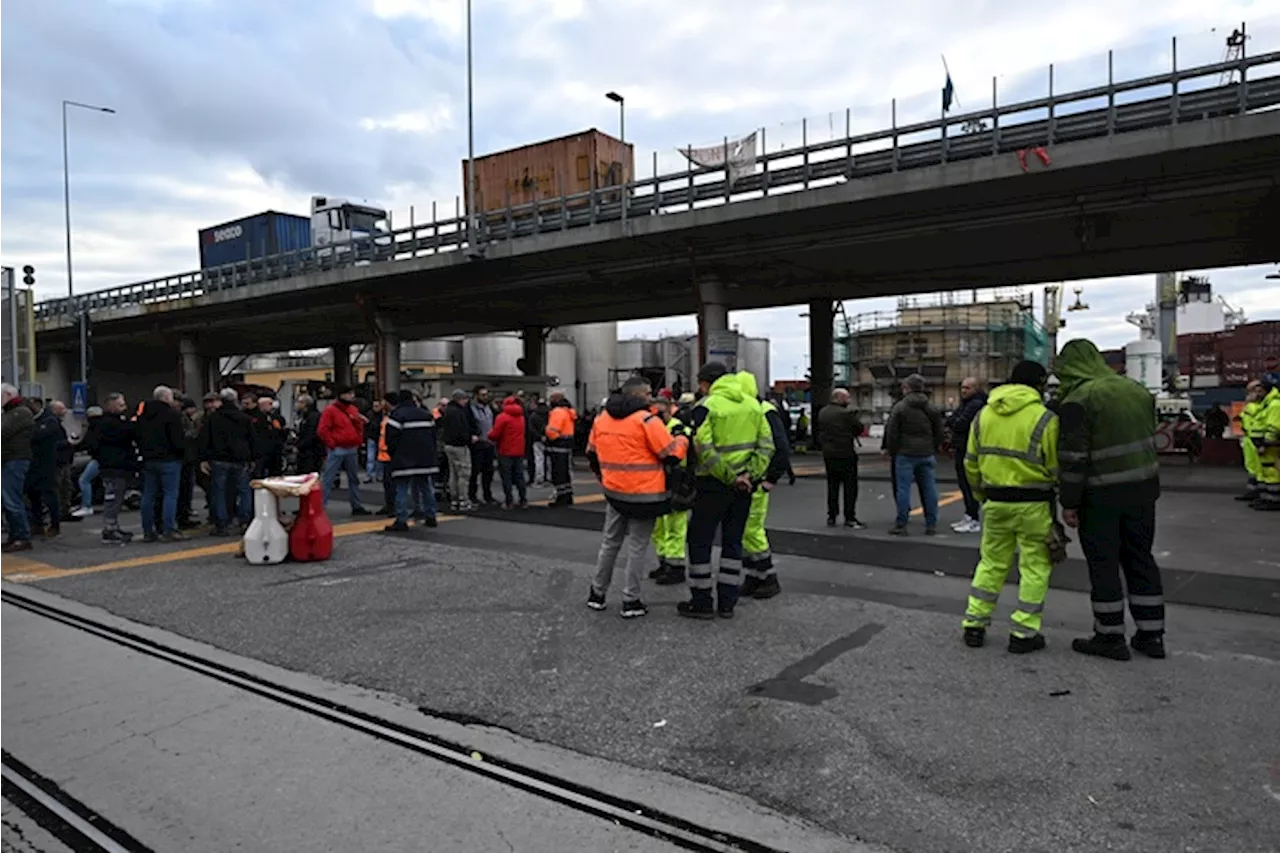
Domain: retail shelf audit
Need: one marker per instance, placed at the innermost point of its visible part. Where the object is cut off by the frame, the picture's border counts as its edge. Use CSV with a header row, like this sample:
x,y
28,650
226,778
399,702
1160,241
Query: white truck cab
x,y
336,221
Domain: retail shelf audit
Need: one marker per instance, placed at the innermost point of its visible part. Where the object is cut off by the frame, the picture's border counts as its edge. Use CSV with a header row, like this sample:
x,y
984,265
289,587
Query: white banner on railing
x,y
741,156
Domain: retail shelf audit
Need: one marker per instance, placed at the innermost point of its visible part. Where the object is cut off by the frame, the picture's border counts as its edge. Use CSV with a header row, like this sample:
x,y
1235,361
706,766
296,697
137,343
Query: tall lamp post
x,y
471,147
622,113
66,207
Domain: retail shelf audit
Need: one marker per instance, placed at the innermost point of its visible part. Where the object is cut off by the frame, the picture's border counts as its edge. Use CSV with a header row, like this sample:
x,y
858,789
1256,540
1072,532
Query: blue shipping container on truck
x,y
268,233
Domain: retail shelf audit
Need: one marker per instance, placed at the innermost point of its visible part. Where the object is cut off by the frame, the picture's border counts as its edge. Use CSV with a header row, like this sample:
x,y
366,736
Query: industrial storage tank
x,y
433,350
597,345
562,364
637,353
753,356
1142,363
492,355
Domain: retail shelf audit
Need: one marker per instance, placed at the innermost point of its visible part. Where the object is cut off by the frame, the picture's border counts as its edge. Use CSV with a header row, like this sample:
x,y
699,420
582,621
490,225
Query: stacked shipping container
x,y
548,170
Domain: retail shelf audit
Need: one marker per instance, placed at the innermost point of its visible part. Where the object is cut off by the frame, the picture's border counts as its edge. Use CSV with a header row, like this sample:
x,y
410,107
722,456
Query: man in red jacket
x,y
508,436
341,430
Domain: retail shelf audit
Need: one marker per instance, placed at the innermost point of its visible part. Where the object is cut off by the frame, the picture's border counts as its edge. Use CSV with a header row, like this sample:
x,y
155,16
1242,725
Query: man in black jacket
x,y
837,430
158,433
912,436
111,444
972,398
411,443
227,454
458,431
42,477
310,450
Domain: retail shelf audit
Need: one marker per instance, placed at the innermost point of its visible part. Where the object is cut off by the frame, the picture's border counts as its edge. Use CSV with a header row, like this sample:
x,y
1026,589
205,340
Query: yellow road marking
x,y
943,500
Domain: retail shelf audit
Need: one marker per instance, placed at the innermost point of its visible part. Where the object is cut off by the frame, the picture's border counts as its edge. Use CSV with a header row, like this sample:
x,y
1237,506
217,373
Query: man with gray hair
x,y
226,450
162,446
457,432
15,456
912,437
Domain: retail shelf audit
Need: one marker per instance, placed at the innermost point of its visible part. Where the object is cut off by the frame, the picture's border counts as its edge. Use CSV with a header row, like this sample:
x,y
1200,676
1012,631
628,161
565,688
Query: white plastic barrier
x,y
266,542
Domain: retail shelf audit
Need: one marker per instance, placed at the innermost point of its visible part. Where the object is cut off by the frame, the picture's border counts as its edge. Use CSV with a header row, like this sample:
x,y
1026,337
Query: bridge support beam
x,y
535,348
193,369
387,356
822,317
342,365
713,315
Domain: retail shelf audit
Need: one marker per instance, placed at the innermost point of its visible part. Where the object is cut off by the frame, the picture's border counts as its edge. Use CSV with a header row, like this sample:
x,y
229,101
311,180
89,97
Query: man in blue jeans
x,y
226,447
15,450
162,446
912,438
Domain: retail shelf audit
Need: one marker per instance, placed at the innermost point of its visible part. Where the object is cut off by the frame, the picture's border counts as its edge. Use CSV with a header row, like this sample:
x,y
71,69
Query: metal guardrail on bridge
x,y
681,191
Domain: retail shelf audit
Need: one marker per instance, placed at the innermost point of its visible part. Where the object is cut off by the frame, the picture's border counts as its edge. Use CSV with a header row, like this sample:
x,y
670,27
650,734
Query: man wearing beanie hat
x,y
733,444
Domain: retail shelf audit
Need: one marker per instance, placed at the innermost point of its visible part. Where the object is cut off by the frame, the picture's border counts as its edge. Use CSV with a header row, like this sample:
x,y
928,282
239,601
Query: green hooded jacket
x,y
1106,444
731,436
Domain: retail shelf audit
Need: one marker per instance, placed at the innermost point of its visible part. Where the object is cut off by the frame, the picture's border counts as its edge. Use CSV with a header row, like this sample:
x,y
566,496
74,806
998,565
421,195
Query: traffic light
x,y
29,275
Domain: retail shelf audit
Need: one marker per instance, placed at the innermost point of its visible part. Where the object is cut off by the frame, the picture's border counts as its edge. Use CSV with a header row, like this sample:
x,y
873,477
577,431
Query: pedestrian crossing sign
x,y
79,397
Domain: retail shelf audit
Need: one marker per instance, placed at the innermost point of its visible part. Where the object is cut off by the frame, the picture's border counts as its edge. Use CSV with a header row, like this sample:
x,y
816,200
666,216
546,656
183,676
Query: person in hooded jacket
x,y
1011,461
629,450
761,579
411,445
1110,484
912,437
158,433
671,531
733,445
509,438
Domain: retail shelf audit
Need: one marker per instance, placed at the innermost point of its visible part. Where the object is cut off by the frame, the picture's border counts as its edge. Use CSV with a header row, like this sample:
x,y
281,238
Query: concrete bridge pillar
x,y
713,314
342,364
822,316
387,357
535,347
194,369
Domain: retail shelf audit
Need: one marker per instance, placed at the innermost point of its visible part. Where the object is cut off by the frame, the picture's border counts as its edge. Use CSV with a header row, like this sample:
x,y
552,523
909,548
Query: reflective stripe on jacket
x,y
1012,454
629,449
731,435
560,426
1106,444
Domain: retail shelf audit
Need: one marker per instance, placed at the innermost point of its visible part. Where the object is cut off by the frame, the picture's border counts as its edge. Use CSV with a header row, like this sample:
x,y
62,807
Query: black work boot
x,y
660,571
767,588
749,587
1025,645
1150,644
975,638
1111,646
699,606
671,576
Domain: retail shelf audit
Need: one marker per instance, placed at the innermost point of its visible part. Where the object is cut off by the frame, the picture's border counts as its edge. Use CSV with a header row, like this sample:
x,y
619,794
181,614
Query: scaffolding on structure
x,y
944,338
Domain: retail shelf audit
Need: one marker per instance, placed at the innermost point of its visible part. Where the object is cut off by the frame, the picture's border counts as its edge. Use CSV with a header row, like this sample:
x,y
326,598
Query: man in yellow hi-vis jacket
x,y
1012,465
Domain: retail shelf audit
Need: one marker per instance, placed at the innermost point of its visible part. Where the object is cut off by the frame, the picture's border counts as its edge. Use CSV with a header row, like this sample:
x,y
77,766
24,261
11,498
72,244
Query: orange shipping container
x,y
544,171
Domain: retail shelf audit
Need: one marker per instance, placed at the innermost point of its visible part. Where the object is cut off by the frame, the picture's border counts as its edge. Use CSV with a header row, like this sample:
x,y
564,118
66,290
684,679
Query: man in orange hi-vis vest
x,y
629,451
560,425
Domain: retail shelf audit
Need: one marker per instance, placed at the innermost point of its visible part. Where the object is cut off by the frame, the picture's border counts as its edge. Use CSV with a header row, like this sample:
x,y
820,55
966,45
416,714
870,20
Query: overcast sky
x,y
230,107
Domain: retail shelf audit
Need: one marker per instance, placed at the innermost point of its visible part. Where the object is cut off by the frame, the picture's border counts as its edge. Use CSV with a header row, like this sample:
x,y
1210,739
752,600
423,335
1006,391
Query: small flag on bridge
x,y
948,93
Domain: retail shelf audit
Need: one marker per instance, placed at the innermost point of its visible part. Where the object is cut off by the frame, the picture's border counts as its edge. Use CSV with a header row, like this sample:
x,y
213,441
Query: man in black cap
x,y
734,444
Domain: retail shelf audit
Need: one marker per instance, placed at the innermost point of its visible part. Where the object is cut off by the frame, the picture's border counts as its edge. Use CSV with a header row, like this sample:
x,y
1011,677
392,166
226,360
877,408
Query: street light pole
x,y
66,209
471,146
622,114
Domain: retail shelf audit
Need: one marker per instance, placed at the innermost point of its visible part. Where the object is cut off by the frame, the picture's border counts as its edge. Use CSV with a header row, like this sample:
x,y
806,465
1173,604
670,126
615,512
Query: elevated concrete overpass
x,y
1185,182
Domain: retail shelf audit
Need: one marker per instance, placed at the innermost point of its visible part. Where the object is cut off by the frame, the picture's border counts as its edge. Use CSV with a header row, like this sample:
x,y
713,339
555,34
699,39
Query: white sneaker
x,y
82,512
974,526
965,521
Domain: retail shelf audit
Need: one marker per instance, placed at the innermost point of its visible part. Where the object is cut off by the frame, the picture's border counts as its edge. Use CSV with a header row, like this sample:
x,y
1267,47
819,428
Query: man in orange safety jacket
x,y
629,451
560,426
